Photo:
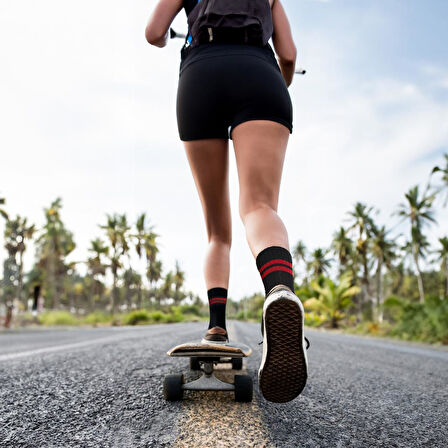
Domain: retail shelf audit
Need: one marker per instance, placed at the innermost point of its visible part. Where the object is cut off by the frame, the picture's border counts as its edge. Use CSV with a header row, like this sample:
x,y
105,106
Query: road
x,y
102,388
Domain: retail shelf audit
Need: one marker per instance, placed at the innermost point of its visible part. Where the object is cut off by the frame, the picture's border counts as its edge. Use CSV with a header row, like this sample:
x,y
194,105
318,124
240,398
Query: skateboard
x,y
204,357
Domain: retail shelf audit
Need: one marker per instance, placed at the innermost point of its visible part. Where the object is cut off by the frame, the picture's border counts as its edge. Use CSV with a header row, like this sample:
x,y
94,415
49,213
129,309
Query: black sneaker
x,y
283,369
215,335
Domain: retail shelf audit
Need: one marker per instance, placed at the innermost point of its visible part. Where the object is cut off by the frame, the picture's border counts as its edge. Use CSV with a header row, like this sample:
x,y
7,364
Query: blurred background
x,y
101,223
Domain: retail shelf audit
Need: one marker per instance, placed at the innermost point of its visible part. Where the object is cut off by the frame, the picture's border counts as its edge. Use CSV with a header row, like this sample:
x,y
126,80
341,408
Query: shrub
x,y
174,316
190,309
137,317
58,318
313,319
157,316
98,317
419,321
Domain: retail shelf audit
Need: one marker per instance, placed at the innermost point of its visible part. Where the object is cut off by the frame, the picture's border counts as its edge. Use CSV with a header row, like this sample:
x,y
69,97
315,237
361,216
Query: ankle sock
x,y
274,264
217,299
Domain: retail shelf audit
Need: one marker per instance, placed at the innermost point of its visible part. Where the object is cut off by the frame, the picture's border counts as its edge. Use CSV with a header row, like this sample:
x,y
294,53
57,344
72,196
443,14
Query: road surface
x,y
103,388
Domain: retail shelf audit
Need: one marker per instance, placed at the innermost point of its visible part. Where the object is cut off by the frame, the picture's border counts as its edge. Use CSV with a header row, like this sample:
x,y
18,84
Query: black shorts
x,y
223,85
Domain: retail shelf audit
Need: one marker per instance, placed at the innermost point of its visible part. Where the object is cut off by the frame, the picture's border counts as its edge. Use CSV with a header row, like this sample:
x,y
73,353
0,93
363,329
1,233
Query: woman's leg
x,y
260,148
209,164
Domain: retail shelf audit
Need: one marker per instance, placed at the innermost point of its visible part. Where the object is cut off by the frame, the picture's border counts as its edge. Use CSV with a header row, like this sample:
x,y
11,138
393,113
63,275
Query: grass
x,y
136,317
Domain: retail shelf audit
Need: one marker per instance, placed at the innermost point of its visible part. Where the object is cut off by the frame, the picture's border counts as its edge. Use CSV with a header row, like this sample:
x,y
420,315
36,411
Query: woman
x,y
237,90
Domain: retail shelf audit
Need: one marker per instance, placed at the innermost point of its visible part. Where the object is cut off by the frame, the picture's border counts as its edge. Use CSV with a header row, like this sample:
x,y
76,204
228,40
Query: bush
x,y
98,317
190,309
58,318
313,319
137,317
175,315
158,316
419,321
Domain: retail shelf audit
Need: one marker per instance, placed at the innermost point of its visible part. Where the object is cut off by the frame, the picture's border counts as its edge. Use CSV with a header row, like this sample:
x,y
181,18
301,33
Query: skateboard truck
x,y
208,380
204,357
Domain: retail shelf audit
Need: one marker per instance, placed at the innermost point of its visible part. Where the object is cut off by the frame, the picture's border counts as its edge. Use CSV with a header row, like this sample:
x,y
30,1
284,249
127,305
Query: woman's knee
x,y
223,240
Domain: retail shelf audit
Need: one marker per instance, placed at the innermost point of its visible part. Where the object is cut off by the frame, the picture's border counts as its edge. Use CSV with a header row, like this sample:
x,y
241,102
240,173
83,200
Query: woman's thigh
x,y
260,147
209,164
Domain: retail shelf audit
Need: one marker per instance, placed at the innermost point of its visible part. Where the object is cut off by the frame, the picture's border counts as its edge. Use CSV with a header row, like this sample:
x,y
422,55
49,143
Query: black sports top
x,y
189,5
209,50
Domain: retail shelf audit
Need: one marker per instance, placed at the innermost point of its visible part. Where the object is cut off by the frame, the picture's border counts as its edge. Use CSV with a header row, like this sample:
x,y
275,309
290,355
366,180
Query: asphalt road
x,y
103,388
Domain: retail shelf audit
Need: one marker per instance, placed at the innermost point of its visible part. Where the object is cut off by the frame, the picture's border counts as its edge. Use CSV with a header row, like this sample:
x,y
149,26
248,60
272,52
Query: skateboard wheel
x,y
237,363
172,387
194,363
243,388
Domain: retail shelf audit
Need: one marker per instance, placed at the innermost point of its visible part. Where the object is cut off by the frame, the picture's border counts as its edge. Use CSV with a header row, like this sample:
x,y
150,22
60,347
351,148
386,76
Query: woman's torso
x,y
213,50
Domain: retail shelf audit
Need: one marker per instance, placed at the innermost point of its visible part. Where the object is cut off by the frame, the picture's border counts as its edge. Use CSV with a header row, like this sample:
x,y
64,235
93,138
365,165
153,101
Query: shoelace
x,y
308,345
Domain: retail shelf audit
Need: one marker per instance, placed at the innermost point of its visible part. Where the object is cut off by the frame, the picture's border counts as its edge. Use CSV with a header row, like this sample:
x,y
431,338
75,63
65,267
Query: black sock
x,y
217,298
275,267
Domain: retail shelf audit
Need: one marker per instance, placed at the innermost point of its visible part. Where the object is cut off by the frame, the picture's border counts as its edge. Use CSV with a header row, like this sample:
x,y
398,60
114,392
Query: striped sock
x,y
217,298
274,264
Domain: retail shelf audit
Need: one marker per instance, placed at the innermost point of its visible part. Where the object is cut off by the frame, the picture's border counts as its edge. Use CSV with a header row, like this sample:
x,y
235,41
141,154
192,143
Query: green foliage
x,y
331,300
98,317
191,309
313,319
137,317
175,315
57,318
419,321
157,316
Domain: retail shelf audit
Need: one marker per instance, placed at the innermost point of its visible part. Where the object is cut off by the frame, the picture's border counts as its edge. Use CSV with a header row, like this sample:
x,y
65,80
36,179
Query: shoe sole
x,y
283,375
205,341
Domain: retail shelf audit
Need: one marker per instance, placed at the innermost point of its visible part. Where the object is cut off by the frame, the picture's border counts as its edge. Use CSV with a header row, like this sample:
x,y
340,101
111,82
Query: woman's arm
x,y
158,27
283,43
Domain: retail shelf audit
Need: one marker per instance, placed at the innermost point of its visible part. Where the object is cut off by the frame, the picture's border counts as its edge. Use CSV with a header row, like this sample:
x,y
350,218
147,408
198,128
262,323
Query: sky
x,y
87,113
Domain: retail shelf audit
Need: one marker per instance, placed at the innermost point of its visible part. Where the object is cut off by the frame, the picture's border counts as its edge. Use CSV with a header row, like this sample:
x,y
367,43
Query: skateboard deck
x,y
195,348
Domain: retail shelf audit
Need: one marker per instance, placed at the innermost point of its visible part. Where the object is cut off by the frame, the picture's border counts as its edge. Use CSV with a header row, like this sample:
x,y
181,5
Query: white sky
x,y
87,112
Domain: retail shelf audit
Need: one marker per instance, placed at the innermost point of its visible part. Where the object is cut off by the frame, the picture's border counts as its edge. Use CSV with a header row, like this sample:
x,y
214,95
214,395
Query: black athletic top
x,y
189,5
209,50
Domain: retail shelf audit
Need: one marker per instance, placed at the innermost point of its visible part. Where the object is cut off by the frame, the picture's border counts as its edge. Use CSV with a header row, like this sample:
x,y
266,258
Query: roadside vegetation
x,y
368,280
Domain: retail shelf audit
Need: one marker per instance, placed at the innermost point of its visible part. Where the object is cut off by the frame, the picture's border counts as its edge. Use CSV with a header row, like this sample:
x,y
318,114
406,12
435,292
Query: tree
x,y
145,245
116,230
342,247
319,262
17,232
442,253
132,280
96,269
54,244
154,274
2,210
166,291
418,211
383,251
299,253
444,172
332,300
178,280
364,224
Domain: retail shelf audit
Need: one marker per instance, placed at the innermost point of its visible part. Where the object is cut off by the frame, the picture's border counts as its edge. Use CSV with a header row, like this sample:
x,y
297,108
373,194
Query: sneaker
x,y
283,369
215,335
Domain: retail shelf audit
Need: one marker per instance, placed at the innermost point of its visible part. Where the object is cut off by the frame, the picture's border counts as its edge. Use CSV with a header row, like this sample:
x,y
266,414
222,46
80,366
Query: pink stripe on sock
x,y
218,300
276,268
269,263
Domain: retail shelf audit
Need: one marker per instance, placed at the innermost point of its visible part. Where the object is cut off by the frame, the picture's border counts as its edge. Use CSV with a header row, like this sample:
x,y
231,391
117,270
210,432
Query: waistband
x,y
205,50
